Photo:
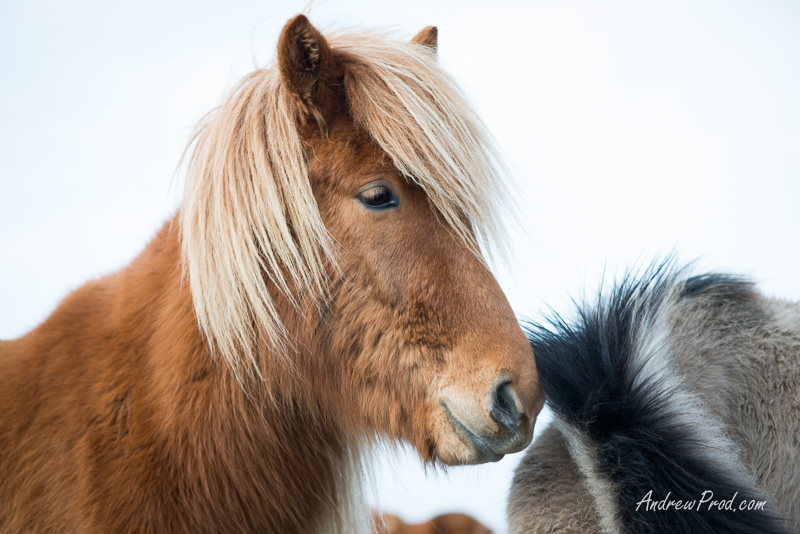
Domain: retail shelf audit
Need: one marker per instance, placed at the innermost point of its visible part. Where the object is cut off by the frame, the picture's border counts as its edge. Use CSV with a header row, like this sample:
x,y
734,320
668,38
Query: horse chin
x,y
459,444
452,449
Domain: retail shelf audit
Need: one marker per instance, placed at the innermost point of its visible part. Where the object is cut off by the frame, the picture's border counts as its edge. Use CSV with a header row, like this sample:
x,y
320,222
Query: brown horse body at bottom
x,y
116,419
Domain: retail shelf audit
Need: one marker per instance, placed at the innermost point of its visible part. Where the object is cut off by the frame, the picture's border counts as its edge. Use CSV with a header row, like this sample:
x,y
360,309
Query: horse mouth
x,y
481,446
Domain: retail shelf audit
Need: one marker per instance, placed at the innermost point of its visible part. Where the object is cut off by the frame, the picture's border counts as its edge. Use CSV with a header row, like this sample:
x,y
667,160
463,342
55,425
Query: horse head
x,y
359,186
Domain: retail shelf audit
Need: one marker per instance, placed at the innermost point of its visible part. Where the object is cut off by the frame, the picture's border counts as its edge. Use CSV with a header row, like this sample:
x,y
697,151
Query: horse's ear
x,y
428,36
307,66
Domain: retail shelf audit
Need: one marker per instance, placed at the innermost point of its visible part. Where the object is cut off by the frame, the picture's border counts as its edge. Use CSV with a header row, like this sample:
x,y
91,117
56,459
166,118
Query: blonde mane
x,y
249,213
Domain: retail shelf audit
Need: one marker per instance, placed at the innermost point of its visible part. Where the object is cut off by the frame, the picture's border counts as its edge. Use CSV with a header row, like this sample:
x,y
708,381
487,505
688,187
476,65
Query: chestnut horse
x,y
321,287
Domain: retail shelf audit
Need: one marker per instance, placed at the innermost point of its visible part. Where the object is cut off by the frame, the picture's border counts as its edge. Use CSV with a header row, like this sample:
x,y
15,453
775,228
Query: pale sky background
x,y
635,128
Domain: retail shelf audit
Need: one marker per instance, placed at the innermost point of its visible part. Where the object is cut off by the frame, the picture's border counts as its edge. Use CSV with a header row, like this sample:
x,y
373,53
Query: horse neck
x,y
269,459
269,443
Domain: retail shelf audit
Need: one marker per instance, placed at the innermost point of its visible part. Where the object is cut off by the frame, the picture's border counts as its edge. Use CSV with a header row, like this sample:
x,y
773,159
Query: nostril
x,y
504,406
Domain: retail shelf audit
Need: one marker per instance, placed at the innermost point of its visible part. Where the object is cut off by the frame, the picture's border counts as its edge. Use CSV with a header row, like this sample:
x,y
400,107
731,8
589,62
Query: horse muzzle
x,y
500,427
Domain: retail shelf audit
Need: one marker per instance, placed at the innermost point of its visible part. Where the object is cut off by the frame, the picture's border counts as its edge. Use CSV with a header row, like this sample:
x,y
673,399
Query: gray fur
x,y
731,364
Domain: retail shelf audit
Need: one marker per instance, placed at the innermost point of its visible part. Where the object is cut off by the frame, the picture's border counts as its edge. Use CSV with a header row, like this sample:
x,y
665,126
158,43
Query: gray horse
x,y
677,409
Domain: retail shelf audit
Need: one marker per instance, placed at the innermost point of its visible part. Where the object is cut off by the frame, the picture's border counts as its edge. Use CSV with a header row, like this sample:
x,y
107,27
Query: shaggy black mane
x,y
593,378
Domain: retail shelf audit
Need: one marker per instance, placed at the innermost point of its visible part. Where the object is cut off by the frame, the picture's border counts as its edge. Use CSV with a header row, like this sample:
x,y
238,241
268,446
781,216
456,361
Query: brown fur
x,y
428,36
117,417
441,524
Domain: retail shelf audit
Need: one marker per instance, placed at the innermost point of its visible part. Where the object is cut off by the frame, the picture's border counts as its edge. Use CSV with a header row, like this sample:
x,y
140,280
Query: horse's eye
x,y
378,197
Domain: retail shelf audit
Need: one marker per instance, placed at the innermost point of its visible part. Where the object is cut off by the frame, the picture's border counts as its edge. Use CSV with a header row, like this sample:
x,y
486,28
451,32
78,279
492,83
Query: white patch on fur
x,y
653,364
350,512
600,488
